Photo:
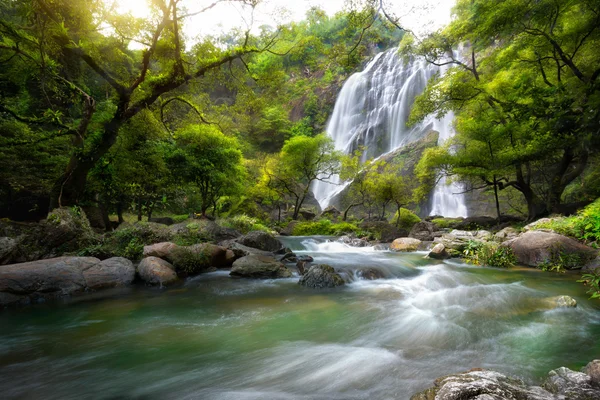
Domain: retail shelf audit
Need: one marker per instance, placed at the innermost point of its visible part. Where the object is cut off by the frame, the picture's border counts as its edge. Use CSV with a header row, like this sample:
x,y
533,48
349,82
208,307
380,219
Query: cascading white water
x,y
371,111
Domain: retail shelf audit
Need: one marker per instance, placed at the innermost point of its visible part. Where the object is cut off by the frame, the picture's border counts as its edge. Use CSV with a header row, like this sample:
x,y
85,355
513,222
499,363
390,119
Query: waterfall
x,y
371,111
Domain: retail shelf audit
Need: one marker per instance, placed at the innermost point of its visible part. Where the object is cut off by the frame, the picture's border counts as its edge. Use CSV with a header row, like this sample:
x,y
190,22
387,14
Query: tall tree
x,y
302,161
525,89
93,68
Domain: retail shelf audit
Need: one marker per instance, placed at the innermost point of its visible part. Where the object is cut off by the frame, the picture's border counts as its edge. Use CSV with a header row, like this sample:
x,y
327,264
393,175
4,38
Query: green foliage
x,y
324,227
489,254
445,223
190,260
560,261
526,104
405,219
244,224
592,280
584,226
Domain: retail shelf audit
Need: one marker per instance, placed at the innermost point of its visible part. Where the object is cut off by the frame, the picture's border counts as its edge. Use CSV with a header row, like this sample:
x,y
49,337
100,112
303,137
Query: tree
x,y
388,186
211,161
94,69
302,161
525,91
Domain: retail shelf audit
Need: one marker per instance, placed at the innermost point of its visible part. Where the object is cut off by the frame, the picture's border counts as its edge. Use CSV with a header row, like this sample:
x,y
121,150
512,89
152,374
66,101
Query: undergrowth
x,y
490,254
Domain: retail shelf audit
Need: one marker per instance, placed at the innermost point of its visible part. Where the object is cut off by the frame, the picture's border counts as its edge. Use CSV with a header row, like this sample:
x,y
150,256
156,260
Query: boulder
x,y
534,225
321,276
481,384
260,267
305,258
330,213
405,244
204,229
216,255
423,231
10,251
370,274
383,230
593,370
289,229
533,248
112,272
162,220
302,267
457,240
574,385
260,240
161,250
156,271
61,276
506,234
560,302
240,250
353,242
439,252
307,215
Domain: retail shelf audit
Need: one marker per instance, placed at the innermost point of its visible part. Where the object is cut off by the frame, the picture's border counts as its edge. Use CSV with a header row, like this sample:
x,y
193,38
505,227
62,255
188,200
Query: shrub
x,y
583,226
244,224
405,219
190,261
559,261
324,227
592,280
490,254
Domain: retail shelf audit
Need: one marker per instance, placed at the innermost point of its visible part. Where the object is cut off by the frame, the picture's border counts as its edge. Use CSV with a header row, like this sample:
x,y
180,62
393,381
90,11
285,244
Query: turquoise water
x,y
219,338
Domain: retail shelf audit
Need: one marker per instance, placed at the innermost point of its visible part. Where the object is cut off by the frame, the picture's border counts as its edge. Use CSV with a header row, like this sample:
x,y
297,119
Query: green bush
x,y
583,226
592,280
444,223
489,254
244,224
190,261
405,219
324,227
128,242
559,261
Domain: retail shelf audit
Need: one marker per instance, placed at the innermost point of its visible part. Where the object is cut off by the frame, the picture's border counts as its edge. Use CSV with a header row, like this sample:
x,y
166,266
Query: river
x,y
222,338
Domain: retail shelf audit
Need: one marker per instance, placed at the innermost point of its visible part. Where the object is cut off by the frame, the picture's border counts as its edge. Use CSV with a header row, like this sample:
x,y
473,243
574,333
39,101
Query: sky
x,y
420,16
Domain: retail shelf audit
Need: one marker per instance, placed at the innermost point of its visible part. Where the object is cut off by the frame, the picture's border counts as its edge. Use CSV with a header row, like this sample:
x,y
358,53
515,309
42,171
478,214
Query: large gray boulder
x,y
260,240
479,384
533,248
112,272
51,278
321,276
424,231
259,267
573,385
156,271
457,239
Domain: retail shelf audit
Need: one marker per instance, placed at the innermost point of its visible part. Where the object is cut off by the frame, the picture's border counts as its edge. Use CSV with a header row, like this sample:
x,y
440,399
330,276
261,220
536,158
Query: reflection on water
x,y
222,338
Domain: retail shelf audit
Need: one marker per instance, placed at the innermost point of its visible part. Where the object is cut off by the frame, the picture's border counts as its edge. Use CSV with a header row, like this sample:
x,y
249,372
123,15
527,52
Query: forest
x,y
141,151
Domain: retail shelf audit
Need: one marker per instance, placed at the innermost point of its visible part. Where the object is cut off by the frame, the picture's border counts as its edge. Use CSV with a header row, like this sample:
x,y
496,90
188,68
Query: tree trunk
x,y
120,211
139,210
348,209
149,213
496,198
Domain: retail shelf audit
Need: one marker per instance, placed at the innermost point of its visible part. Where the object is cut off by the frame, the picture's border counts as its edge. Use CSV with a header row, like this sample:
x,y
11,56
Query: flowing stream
x,y
222,338
371,112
